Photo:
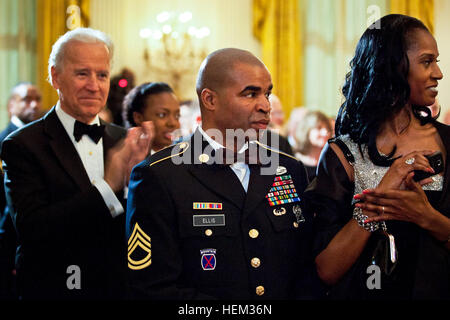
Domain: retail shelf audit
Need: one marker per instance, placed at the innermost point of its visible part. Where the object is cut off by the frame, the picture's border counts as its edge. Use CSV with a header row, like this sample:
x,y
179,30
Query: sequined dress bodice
x,y
368,175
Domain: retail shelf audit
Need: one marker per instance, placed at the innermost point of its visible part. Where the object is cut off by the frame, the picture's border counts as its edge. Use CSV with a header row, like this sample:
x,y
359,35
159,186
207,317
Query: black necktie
x,y
95,131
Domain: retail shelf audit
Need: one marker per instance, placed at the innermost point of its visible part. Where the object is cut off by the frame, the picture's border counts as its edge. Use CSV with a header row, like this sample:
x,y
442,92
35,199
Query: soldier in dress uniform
x,y
220,216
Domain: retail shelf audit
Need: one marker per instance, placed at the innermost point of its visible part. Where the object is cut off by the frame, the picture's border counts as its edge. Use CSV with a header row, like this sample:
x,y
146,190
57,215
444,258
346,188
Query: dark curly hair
x,y
376,88
134,101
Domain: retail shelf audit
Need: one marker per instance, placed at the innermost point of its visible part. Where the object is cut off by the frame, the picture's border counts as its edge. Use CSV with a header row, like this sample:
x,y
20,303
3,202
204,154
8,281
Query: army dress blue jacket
x,y
194,232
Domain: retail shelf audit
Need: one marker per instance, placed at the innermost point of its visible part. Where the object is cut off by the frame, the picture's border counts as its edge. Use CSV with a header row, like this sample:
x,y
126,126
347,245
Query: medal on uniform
x,y
298,213
207,205
282,191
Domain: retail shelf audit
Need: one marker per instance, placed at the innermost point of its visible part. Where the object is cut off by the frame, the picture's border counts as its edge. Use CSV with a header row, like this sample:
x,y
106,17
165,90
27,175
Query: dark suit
x,y
9,128
8,238
175,254
60,217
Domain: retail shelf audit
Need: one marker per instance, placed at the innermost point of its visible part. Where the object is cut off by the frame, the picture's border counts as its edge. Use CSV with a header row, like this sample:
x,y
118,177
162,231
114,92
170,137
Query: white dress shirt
x,y
91,155
17,122
241,169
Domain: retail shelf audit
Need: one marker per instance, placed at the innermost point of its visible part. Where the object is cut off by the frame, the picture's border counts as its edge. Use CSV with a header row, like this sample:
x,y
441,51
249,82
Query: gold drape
x,y
420,9
52,22
276,25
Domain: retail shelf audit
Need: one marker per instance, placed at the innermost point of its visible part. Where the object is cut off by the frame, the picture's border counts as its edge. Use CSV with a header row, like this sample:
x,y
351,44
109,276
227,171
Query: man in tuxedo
x,y
24,106
221,216
64,180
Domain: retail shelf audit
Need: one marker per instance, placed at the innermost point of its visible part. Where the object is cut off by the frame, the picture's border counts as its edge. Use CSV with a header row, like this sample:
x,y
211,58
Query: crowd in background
x,y
355,171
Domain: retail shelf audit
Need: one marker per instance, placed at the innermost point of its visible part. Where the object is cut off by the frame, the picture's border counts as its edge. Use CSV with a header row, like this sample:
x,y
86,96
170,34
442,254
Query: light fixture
x,y
174,47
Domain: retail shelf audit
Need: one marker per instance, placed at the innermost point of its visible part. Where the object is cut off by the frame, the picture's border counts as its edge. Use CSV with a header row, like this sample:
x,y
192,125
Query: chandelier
x,y
174,48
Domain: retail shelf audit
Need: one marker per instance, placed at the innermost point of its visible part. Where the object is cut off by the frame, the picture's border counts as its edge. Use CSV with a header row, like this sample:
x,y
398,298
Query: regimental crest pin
x,y
208,259
298,213
281,170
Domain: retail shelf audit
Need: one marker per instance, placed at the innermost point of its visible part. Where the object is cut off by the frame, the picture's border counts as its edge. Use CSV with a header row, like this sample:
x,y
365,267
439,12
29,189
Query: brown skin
x,y
402,198
163,109
237,100
25,103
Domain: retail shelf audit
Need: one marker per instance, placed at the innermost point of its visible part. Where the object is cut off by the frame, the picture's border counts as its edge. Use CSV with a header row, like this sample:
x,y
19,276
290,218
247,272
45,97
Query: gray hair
x,y
86,35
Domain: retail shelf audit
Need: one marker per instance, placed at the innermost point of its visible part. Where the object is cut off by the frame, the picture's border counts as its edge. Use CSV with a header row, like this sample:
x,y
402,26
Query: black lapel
x,y
64,150
216,177
111,136
258,187
444,132
221,180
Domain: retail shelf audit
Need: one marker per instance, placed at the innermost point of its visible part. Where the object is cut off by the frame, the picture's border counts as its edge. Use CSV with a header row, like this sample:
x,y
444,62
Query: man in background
x,y
24,106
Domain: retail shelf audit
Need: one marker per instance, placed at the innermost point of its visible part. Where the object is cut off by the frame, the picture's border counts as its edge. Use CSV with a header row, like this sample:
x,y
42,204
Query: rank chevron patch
x,y
139,239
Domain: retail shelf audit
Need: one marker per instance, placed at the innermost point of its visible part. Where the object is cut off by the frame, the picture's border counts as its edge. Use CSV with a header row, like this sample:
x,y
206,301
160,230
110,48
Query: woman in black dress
x,y
370,211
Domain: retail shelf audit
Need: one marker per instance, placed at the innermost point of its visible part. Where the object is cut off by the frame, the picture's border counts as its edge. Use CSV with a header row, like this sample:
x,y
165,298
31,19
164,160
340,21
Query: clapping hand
x,y
395,177
122,158
409,205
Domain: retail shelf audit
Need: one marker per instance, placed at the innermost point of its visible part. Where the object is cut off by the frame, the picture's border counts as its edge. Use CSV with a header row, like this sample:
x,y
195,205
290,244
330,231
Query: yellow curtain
x,y
420,9
276,25
54,18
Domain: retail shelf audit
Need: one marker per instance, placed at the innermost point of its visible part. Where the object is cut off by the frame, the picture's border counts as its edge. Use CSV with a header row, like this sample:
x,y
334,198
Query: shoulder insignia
x,y
183,147
275,150
140,239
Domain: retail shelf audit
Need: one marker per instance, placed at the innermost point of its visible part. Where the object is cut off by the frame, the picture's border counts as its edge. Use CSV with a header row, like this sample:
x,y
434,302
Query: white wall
x,y
442,34
229,22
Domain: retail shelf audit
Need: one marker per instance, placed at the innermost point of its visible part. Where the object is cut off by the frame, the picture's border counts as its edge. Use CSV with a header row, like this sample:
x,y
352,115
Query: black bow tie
x,y
95,131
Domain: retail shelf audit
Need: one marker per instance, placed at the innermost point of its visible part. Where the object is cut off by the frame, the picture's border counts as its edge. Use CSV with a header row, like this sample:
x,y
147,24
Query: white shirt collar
x,y
216,145
17,122
68,121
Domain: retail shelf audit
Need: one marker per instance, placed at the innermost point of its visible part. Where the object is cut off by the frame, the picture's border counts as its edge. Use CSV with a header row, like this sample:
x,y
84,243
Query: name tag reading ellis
x,y
210,220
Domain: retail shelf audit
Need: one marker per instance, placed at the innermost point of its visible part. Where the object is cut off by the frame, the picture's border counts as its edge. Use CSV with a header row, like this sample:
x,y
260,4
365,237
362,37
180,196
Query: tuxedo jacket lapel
x,y
111,136
64,150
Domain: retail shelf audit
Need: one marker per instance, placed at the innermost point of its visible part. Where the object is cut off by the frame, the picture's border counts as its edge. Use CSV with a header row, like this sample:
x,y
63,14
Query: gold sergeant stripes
x,y
140,239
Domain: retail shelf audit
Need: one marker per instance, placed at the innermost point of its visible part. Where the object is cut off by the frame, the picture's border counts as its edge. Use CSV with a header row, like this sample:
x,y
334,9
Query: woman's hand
x,y
396,175
409,205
